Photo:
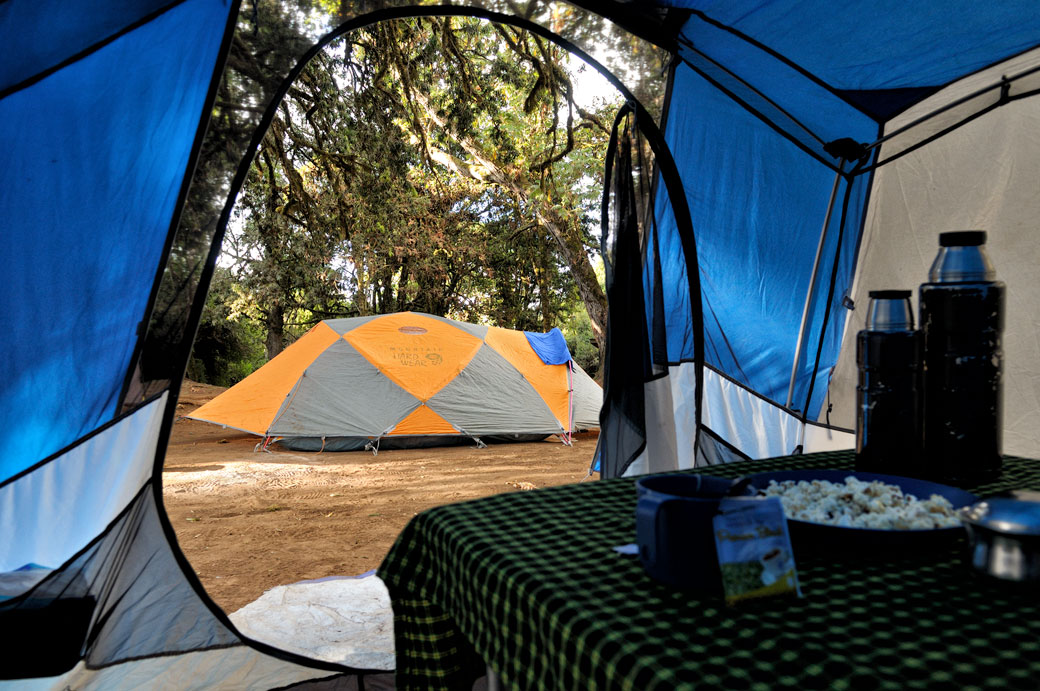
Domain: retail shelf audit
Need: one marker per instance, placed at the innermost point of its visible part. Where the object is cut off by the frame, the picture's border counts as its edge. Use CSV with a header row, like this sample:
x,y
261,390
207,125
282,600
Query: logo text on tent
x,y
416,357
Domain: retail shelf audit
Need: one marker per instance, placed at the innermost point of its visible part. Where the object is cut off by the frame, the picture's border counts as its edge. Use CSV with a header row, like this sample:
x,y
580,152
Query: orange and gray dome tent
x,y
410,379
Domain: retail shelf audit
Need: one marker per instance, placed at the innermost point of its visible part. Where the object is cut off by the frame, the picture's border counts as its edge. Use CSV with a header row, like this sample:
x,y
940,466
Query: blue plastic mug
x,y
674,529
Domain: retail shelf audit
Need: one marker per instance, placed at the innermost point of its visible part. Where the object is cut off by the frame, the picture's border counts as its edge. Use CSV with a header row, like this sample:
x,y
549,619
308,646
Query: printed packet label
x,y
754,548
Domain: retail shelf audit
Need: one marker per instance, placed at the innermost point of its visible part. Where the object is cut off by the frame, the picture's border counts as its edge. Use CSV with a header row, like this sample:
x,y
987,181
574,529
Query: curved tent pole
x,y
804,326
826,313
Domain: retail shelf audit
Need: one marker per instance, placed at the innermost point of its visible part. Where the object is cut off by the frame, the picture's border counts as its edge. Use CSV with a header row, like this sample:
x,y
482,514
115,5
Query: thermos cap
x,y
890,294
962,238
962,258
889,310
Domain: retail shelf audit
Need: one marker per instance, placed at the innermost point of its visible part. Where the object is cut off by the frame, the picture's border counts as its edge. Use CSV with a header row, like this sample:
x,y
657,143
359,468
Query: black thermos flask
x,y
888,429
962,320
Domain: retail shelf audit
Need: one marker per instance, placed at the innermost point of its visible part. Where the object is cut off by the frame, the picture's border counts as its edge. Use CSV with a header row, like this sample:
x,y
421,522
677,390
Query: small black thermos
x,y
962,321
888,429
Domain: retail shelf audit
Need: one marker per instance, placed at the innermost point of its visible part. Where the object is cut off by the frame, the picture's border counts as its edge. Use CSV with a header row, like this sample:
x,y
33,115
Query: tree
x,y
436,165
227,348
501,108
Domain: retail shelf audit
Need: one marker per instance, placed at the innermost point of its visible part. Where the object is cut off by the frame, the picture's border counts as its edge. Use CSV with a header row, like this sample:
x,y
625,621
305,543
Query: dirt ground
x,y
250,520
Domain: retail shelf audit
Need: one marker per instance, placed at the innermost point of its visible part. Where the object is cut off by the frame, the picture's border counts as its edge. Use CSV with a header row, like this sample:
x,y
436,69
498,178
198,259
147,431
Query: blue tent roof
x,y
884,44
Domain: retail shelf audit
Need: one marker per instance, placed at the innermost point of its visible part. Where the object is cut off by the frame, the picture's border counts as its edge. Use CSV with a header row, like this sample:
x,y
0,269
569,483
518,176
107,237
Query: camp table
x,y
529,582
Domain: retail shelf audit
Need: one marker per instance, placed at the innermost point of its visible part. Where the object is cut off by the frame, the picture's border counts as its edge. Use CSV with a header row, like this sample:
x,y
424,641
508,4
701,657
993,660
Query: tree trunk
x,y
274,343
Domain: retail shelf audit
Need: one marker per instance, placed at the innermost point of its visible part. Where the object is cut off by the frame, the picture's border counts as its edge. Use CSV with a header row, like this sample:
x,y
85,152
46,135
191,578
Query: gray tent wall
x,y
963,157
982,176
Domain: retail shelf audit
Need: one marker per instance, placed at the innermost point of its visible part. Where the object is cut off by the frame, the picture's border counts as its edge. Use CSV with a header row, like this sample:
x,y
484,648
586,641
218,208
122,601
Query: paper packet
x,y
754,549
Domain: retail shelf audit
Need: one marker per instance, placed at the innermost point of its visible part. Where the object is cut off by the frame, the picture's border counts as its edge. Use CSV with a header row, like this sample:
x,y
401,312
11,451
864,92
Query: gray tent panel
x,y
342,395
342,326
491,397
587,400
478,330
999,195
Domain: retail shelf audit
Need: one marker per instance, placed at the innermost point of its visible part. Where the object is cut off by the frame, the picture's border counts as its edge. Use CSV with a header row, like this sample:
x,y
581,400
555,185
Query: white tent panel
x,y
684,402
827,439
671,405
239,668
982,176
752,424
54,511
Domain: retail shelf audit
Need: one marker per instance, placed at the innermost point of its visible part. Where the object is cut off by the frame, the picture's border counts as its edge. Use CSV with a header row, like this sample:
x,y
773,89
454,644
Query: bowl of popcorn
x,y
841,508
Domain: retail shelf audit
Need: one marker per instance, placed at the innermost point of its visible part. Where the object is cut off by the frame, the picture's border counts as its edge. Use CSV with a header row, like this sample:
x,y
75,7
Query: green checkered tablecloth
x,y
528,581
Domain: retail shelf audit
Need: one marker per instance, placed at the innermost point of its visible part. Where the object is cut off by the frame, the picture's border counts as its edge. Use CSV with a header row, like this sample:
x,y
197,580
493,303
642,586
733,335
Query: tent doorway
x,y
278,118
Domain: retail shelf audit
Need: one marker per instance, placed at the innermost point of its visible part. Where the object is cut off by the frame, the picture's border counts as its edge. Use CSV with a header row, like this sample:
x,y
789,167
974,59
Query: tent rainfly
x,y
410,379
742,230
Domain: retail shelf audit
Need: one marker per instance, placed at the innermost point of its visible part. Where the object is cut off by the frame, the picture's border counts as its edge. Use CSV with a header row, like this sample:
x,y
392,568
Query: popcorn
x,y
858,504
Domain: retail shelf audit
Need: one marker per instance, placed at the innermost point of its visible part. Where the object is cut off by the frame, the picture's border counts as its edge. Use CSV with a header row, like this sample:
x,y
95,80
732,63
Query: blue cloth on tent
x,y
550,347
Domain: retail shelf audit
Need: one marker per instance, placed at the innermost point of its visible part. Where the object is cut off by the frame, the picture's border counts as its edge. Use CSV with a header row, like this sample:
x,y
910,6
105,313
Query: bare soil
x,y
249,520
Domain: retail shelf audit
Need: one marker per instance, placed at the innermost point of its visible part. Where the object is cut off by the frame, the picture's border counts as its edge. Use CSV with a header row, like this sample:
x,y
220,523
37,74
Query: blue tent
x,y
805,154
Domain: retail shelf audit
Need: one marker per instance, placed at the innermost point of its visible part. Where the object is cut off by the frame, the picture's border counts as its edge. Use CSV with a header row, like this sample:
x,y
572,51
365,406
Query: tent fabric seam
x,y
772,53
838,93
89,50
82,440
692,48
835,263
756,394
945,131
761,116
730,447
225,425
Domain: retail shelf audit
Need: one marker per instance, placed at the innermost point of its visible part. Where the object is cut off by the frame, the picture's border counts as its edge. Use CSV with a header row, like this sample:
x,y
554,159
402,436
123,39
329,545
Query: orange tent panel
x,y
423,421
550,381
418,353
252,403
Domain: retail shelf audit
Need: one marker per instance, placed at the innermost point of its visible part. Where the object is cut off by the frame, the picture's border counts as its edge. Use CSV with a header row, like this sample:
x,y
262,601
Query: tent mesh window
x,y
627,362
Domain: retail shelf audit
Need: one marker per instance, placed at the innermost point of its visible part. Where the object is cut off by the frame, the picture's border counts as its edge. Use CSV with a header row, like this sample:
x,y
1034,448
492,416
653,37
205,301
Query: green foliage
x,y
227,347
437,165
577,331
